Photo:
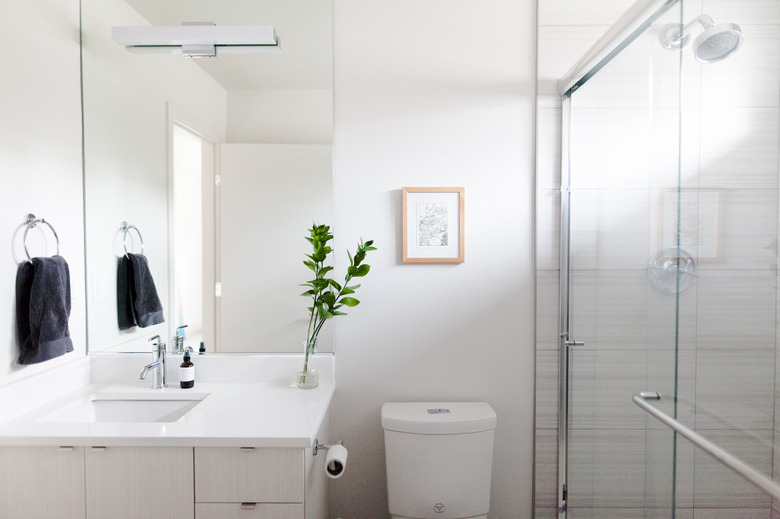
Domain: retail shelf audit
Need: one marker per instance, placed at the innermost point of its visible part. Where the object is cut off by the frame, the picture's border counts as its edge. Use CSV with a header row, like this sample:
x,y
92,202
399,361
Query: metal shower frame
x,y
628,28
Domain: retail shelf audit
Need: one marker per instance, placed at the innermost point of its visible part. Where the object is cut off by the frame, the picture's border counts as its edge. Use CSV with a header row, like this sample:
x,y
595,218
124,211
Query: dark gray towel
x,y
137,299
124,303
43,309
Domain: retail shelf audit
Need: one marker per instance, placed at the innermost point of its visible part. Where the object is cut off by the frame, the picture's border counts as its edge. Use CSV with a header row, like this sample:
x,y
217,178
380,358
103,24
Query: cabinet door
x,y
249,511
134,482
42,482
239,475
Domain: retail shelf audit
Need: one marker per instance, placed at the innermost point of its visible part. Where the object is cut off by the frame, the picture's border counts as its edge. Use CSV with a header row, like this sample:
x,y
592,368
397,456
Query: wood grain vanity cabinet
x,y
134,482
96,482
42,482
260,483
249,482
172,482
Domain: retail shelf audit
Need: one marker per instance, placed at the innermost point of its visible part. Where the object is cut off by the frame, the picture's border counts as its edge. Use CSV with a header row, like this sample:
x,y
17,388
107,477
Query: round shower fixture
x,y
671,270
715,43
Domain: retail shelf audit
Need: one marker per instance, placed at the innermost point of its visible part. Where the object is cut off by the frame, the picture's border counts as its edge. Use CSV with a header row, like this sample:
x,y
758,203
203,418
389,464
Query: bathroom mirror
x,y
215,166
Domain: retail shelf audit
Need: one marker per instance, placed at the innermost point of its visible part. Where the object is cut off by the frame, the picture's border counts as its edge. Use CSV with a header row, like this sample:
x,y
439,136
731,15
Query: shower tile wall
x,y
728,319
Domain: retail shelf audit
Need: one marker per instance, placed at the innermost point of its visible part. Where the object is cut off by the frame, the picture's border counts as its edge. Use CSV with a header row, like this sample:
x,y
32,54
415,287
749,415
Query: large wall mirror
x,y
212,169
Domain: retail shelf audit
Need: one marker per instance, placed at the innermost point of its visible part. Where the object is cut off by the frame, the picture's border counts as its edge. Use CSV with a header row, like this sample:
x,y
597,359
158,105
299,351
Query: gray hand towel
x,y
43,309
137,299
124,302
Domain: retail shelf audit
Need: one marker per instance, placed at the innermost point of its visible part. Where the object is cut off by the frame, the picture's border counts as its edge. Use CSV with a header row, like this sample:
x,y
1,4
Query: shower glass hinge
x,y
573,343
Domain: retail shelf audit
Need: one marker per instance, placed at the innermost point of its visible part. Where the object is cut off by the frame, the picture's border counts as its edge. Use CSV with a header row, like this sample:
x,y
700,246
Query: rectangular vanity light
x,y
197,39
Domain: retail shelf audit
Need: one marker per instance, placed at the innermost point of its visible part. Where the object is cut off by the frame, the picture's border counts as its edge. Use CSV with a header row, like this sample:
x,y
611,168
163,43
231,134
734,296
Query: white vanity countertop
x,y
232,415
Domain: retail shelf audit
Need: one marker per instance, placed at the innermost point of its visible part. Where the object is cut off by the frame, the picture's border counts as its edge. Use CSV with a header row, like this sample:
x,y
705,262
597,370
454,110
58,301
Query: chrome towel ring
x,y
31,221
125,228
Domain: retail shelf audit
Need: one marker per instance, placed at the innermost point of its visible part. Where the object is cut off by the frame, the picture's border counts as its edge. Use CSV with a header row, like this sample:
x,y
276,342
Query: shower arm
x,y
705,20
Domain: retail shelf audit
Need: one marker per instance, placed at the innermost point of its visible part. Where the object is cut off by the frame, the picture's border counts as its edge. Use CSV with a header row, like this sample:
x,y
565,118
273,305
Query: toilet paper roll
x,y
336,461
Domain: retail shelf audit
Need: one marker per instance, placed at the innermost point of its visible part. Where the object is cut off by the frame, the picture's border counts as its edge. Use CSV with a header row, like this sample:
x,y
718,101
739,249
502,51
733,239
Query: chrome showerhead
x,y
717,42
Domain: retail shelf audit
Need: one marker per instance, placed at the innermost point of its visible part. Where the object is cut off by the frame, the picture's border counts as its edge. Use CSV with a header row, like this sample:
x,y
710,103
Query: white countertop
x,y
235,414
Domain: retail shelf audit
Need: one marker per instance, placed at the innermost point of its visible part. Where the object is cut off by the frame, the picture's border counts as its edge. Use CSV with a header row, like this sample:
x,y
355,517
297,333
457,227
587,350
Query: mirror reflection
x,y
220,164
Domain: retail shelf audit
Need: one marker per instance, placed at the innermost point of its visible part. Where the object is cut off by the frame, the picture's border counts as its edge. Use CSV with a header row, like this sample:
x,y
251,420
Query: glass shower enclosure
x,y
668,299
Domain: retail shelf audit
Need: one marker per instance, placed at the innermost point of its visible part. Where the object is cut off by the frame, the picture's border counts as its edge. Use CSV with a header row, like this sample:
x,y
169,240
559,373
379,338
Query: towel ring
x,y
31,221
125,228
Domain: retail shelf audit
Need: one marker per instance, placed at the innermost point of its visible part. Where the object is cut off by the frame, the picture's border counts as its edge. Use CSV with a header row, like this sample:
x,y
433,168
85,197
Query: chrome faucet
x,y
158,364
178,341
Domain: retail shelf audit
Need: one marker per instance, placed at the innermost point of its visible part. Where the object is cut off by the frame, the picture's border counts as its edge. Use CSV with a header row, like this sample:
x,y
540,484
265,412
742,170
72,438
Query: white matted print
x,y
433,225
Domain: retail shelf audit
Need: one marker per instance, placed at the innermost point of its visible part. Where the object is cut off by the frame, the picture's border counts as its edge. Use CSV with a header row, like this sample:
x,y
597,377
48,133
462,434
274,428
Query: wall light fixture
x,y
197,39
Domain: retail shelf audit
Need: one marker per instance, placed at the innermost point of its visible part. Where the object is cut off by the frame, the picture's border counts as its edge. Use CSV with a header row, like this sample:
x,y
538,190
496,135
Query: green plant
x,y
328,296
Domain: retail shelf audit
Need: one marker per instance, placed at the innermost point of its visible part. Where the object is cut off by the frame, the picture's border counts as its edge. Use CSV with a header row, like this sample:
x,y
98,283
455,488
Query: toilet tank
x,y
439,458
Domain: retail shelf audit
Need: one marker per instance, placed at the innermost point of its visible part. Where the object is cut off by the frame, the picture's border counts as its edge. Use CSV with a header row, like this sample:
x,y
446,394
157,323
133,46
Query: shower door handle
x,y
573,343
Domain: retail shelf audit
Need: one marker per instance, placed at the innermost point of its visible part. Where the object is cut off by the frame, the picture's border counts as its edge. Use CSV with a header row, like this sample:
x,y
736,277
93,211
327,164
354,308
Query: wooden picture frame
x,y
433,225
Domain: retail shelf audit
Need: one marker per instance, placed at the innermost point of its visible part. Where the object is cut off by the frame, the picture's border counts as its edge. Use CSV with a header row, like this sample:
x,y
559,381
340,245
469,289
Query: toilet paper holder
x,y
317,446
335,461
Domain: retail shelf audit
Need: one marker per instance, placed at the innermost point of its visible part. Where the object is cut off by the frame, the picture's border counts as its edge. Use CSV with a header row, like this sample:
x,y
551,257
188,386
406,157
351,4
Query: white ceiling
x,y
305,28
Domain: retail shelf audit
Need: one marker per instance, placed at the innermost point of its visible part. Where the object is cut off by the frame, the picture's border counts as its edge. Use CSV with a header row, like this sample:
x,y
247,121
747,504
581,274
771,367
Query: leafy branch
x,y
328,296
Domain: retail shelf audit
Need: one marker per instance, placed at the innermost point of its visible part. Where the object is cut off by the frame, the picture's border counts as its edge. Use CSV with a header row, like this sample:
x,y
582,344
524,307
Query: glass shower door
x,y
624,274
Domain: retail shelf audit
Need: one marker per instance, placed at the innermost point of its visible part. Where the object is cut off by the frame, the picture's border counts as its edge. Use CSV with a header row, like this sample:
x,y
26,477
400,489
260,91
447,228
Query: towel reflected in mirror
x,y
137,301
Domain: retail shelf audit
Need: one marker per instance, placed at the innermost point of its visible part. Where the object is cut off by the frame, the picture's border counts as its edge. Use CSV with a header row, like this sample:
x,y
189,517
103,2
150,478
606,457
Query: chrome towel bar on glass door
x,y
725,457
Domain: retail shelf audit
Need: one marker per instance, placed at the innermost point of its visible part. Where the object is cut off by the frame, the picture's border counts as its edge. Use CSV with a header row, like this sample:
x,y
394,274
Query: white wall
x,y
436,93
40,160
269,196
271,116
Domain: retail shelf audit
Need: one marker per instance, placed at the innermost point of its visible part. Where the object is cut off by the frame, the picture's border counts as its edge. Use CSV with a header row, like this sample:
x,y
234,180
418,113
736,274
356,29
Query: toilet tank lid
x,y
438,417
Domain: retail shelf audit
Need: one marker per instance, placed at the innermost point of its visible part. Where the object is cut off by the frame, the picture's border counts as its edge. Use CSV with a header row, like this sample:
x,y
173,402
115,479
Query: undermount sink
x,y
116,407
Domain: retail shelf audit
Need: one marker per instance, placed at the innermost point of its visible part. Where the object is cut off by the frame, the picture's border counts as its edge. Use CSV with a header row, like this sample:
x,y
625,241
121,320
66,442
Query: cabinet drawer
x,y
248,511
233,475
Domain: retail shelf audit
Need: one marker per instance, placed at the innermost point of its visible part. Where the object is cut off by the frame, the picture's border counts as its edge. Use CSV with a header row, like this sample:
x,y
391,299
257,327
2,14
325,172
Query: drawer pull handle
x,y
98,449
246,449
248,506
65,448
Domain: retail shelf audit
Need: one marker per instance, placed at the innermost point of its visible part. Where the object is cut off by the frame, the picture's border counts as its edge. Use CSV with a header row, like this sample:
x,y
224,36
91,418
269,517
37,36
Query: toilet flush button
x,y
438,411
438,508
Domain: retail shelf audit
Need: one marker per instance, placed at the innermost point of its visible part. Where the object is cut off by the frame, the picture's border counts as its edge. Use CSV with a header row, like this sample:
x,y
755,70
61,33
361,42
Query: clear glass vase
x,y
308,377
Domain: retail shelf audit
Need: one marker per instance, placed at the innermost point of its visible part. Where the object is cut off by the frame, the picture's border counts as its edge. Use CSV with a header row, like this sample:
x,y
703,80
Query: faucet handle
x,y
158,344
177,341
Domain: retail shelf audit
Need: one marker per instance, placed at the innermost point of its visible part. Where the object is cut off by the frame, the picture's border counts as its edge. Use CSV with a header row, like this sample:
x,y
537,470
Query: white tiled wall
x,y
620,460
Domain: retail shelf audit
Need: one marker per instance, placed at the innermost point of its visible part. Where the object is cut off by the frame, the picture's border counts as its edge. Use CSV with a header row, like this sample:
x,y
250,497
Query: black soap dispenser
x,y
187,371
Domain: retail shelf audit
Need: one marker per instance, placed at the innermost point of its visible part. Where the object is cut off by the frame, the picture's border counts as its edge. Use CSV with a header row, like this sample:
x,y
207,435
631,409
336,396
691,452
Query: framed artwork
x,y
433,230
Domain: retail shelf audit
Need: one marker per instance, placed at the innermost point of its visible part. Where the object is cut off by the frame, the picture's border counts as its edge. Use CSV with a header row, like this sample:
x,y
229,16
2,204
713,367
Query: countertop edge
x,y
200,431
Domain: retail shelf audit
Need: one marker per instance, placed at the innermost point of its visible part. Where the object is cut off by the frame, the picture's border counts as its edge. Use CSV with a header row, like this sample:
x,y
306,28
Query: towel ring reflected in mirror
x,y
31,221
125,228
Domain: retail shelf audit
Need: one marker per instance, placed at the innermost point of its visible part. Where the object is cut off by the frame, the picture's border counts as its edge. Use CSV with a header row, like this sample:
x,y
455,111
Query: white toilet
x,y
439,459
